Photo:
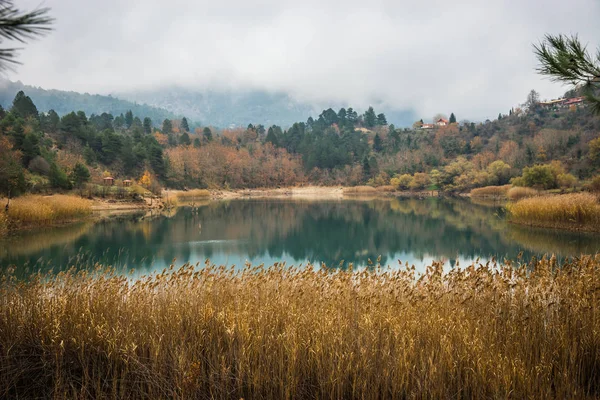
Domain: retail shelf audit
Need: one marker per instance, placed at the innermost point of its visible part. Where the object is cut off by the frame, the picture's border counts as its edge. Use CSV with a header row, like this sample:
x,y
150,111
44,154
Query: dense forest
x,y
535,145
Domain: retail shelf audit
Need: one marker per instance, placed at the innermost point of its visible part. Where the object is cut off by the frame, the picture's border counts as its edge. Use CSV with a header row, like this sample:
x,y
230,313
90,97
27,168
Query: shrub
x,y
420,181
594,185
539,176
518,181
499,172
39,166
566,181
402,182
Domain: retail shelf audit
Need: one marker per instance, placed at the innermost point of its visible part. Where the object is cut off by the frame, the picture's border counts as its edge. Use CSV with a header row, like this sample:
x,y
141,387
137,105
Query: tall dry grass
x,y
278,333
192,194
520,192
491,191
386,189
45,210
569,211
3,223
359,190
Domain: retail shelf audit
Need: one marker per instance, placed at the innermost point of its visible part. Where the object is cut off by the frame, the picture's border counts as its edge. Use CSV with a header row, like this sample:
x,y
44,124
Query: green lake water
x,y
234,232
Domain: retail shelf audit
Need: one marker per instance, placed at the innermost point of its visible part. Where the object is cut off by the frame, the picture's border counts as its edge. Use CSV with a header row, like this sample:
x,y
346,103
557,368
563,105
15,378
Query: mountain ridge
x,y
64,102
220,108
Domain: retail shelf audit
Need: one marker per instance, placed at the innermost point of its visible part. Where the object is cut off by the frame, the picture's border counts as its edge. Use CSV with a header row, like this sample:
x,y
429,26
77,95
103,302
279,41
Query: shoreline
x,y
313,193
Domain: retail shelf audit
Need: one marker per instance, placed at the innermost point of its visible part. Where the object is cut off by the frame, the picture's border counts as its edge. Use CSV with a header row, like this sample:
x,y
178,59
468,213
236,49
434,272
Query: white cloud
x,y
473,57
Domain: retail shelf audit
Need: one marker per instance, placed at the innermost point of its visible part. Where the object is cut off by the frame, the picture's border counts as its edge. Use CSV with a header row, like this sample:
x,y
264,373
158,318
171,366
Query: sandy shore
x,y
306,192
313,193
125,205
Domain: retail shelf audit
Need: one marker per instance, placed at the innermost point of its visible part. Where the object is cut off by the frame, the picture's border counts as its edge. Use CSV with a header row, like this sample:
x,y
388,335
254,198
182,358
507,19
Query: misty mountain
x,y
64,102
228,108
216,108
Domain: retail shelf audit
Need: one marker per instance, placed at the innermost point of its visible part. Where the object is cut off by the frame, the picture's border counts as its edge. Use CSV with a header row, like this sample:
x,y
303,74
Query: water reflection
x,y
264,231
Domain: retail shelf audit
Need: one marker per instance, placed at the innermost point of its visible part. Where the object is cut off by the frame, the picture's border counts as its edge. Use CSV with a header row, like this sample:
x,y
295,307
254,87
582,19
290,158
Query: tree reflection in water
x,y
265,231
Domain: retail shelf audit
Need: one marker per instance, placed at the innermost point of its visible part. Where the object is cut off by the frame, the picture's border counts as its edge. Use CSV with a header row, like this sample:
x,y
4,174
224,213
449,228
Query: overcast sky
x,y
473,58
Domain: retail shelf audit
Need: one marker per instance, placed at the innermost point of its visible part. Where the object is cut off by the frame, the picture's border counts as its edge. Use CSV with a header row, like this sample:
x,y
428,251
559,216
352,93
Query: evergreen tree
x,y
58,178
70,127
184,139
30,148
119,121
499,116
23,106
272,138
381,120
137,123
147,126
80,175
370,118
89,156
207,134
377,143
2,112
12,178
167,127
366,167
128,119
452,118
184,124
394,138
197,143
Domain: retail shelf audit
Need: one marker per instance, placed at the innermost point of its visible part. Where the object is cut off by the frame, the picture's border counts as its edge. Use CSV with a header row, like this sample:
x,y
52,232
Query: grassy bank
x,y
35,210
281,333
577,211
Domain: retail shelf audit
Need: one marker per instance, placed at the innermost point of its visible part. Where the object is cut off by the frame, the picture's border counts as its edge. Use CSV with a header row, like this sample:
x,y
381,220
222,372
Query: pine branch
x,y
23,26
564,59
19,26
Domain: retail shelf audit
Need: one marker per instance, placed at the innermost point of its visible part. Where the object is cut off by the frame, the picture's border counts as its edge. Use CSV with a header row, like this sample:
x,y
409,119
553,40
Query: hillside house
x,y
575,101
441,122
562,103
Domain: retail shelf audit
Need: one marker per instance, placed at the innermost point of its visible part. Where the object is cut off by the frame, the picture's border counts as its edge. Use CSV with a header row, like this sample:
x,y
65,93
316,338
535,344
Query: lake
x,y
234,232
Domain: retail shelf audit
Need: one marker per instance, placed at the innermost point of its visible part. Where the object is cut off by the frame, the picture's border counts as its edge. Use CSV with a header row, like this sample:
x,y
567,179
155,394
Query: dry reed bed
x,y
192,194
518,193
580,211
491,191
482,332
359,190
45,210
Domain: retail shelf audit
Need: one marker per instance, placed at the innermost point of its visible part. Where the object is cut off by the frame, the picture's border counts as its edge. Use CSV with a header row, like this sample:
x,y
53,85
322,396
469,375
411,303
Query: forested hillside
x,y
538,145
63,102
